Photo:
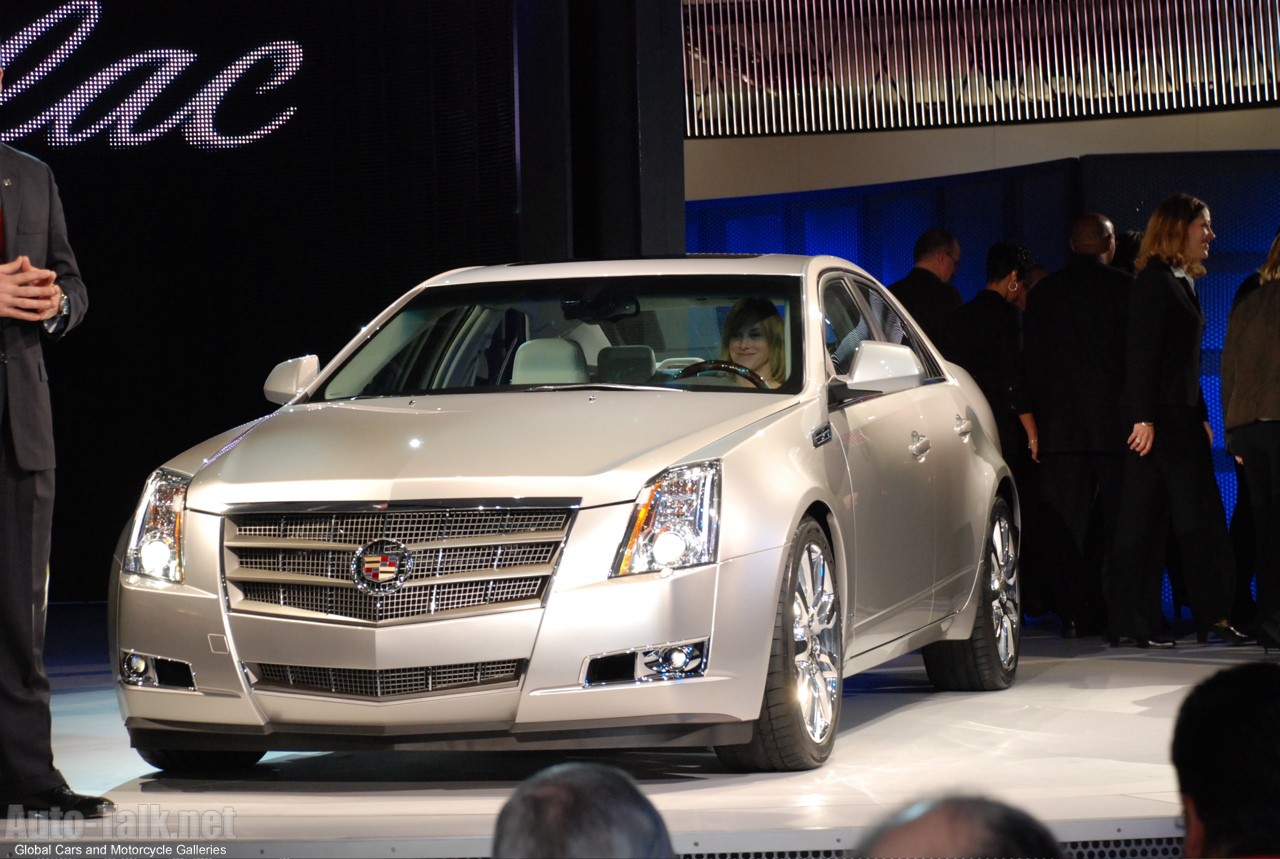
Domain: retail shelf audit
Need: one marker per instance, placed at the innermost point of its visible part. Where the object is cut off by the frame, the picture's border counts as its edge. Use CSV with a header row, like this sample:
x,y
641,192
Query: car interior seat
x,y
629,365
549,361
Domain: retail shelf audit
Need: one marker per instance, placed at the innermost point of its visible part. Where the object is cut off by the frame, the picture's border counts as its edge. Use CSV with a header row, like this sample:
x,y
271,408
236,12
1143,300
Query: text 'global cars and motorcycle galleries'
x,y
63,120
649,503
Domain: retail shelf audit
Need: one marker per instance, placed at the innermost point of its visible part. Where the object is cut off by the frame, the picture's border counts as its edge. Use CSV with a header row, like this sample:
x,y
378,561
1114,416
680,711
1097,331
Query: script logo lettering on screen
x,y
197,119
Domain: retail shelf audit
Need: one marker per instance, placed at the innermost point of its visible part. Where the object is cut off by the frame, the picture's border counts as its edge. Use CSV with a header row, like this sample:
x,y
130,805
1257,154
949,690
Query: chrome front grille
x,y
413,526
458,560
427,564
398,605
386,683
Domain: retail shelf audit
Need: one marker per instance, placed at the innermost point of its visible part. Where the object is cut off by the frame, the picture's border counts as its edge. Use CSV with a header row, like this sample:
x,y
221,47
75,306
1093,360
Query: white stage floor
x,y
1081,741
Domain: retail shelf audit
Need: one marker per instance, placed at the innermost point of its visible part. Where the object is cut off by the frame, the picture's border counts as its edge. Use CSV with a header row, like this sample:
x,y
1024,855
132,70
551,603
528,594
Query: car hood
x,y
599,446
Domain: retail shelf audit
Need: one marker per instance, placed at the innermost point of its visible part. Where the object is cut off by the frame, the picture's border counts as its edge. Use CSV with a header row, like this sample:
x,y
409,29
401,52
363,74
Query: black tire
x,y
199,761
800,713
988,660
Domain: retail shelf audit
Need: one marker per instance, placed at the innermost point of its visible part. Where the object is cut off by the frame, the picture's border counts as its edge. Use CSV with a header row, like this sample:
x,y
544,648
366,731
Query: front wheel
x,y
988,659
800,712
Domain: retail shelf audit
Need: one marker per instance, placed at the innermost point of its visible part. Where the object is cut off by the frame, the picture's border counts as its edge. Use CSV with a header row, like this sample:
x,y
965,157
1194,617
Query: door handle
x,y
919,445
964,428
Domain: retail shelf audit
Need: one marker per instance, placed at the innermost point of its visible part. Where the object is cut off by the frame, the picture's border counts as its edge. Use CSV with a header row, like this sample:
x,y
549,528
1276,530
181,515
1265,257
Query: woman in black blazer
x,y
1168,478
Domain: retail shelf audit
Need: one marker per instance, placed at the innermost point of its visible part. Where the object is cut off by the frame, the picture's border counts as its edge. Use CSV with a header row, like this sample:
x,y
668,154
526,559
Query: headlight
x,y
675,523
155,546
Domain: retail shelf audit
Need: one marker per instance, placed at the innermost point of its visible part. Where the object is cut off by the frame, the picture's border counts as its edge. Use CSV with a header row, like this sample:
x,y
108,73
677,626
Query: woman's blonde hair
x,y
1166,234
1271,268
762,312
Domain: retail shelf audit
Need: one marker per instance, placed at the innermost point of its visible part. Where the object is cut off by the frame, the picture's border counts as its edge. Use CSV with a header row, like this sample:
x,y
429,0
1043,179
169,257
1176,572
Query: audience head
x,y
756,317
939,252
1165,238
1271,268
1127,244
1226,751
1094,235
580,810
963,827
1009,266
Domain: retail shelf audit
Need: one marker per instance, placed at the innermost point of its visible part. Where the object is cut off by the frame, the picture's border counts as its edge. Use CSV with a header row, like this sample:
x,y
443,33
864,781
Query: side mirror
x,y
290,378
878,368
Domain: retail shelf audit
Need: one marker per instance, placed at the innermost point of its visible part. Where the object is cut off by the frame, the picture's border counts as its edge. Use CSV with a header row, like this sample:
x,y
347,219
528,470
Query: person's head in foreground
x,y
580,810
959,827
1226,750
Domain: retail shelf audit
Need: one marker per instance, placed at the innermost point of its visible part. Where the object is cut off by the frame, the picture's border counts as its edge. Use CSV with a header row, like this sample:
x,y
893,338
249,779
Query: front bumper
x,y
544,702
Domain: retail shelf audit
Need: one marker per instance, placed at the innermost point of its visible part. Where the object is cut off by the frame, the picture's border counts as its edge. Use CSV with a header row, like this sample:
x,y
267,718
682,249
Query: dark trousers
x,y
26,511
1080,494
1172,487
1258,444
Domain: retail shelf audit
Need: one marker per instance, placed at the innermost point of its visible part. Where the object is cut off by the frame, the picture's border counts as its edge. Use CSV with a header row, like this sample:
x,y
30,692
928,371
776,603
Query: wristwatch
x,y
65,307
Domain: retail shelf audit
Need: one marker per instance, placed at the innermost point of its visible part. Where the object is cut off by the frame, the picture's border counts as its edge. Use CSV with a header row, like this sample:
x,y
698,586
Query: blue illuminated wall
x,y
877,225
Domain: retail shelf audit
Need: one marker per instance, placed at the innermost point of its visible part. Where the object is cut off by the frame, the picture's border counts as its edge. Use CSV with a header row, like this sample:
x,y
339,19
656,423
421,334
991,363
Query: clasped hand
x,y
28,293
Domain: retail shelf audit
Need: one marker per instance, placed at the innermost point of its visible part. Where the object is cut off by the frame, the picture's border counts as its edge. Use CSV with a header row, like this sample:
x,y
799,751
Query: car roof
x,y
760,265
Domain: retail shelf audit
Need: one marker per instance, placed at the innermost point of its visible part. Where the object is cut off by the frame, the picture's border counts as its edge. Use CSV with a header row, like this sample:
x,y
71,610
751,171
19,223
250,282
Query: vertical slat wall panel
x,y
760,67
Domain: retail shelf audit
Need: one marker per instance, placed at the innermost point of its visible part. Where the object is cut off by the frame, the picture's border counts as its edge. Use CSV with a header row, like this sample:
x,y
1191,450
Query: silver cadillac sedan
x,y
653,503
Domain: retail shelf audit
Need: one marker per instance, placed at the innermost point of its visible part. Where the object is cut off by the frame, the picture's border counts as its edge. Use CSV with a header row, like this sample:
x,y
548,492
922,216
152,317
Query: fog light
x,y
135,669
144,669
673,661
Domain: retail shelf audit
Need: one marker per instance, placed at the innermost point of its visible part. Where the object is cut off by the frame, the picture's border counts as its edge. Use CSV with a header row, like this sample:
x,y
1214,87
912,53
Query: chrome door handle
x,y
964,428
919,445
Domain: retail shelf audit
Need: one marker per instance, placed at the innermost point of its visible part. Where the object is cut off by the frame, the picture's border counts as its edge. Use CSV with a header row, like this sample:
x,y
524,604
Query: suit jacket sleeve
x,y
1148,316
60,258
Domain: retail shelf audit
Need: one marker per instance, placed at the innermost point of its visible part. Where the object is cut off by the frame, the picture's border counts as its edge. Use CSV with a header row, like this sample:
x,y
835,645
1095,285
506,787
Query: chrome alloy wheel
x,y
1002,586
816,632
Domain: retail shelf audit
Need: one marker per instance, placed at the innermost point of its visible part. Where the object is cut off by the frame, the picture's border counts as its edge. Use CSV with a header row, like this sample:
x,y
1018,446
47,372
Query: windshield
x,y
725,333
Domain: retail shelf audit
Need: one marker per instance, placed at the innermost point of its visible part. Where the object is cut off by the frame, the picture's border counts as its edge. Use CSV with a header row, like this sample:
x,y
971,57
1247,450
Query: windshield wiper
x,y
599,386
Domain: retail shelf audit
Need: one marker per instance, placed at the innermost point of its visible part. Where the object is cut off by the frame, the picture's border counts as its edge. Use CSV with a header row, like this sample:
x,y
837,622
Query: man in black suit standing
x,y
1074,335
41,299
926,291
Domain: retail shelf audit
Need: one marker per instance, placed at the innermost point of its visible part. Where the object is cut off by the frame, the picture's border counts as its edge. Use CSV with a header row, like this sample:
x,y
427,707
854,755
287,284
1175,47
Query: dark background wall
x,y
419,135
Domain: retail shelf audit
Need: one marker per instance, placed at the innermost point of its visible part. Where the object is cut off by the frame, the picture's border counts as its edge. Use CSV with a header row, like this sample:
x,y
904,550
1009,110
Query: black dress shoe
x,y
1224,632
62,800
1142,642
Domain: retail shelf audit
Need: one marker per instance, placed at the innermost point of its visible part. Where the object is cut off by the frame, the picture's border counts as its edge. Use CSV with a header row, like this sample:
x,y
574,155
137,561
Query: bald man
x,y
960,826
1074,332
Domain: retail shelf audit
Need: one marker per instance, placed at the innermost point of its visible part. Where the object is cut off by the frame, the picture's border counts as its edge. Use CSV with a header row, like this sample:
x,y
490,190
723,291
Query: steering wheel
x,y
723,367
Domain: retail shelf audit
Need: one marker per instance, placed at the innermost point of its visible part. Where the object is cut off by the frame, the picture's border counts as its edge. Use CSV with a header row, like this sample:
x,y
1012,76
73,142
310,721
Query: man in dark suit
x,y
926,291
41,298
1074,332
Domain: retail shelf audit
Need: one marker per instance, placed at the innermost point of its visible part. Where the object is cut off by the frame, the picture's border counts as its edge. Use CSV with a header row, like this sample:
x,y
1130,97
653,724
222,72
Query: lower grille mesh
x,y
388,682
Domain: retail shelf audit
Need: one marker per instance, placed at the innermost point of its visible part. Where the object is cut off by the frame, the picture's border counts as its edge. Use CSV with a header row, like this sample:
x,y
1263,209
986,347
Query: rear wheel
x,y
199,761
988,659
801,708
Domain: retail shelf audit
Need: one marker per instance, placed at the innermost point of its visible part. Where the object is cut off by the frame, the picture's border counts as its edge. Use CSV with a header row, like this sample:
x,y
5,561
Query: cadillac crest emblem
x,y
381,566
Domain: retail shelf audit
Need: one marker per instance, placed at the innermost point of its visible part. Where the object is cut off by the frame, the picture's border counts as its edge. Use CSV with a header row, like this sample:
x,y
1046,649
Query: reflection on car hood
x,y
597,445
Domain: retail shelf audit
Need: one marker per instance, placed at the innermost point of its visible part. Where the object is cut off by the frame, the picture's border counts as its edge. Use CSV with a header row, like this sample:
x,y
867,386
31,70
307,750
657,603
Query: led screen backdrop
x,y
244,182
780,67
